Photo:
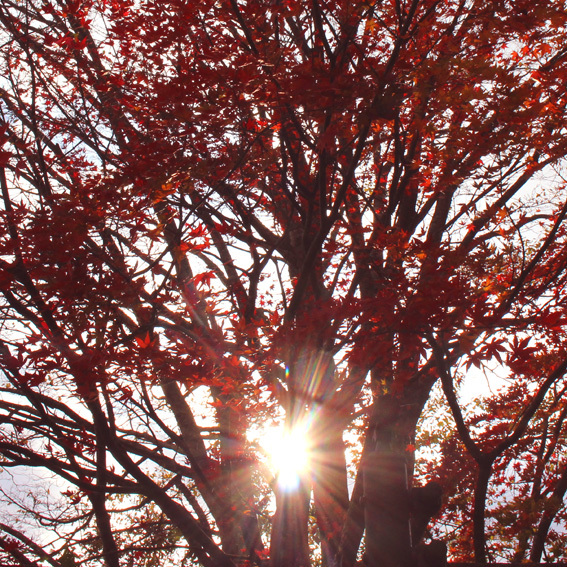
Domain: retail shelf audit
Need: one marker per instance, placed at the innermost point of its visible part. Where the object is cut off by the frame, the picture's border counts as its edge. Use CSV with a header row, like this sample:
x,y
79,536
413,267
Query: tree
x,y
311,212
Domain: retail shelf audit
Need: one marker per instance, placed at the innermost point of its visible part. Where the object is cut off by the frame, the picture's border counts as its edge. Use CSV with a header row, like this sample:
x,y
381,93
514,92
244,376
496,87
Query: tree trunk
x,y
552,506
330,488
289,546
387,473
386,509
479,511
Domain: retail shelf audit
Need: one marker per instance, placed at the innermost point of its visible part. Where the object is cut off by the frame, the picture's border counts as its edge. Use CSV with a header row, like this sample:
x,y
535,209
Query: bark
x,y
330,490
289,546
110,549
240,524
353,528
553,506
386,511
481,488
387,472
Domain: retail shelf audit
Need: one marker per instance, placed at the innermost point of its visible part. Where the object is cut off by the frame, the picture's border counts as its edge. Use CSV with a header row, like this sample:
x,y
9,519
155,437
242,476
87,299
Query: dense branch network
x,y
221,217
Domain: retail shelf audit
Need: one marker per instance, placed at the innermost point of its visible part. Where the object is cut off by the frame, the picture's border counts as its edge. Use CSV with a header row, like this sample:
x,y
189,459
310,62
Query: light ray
x,y
289,453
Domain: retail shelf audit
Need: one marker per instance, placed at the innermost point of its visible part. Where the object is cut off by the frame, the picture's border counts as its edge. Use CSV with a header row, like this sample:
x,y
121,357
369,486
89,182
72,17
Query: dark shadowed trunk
x,y
289,546
387,476
386,512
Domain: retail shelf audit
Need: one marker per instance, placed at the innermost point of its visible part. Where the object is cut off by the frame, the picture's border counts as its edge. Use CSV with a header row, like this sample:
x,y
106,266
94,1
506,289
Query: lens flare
x,y
288,451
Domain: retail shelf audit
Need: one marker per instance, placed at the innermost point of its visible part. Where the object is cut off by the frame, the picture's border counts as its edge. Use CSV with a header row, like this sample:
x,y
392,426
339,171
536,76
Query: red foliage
x,y
227,214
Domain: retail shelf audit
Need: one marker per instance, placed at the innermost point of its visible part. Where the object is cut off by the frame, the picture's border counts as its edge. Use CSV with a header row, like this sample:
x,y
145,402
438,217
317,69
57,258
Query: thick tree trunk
x,y
387,473
353,529
479,512
330,488
386,509
289,546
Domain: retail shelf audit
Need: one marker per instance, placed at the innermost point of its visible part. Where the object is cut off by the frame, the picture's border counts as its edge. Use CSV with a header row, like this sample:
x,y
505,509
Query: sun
x,y
289,454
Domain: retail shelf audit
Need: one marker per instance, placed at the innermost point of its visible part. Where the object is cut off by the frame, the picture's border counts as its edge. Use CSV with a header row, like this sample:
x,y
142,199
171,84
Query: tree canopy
x,y
339,217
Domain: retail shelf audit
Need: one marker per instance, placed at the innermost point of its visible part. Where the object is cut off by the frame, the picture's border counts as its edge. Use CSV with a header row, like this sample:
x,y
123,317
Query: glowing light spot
x,y
289,455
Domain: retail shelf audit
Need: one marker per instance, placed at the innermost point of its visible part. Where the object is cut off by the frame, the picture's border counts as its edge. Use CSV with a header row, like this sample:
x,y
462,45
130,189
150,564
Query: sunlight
x,y
288,452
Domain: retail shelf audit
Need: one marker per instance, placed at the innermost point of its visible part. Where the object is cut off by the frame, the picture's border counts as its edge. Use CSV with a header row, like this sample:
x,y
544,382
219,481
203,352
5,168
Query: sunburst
x,y
288,450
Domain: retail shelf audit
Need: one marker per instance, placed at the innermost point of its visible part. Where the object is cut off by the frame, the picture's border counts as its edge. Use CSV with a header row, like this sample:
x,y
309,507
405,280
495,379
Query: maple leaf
x,y
310,215
145,341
